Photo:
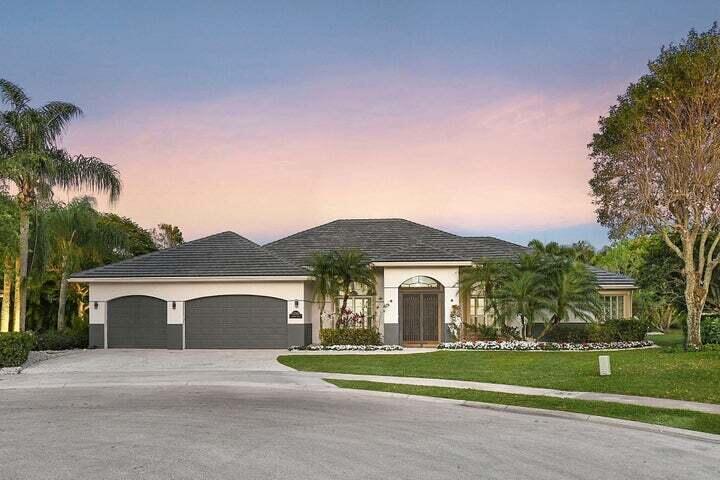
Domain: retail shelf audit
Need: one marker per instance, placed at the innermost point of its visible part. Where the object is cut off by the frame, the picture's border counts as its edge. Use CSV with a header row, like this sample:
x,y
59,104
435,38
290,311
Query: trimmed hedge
x,y
67,339
14,348
350,336
616,330
710,330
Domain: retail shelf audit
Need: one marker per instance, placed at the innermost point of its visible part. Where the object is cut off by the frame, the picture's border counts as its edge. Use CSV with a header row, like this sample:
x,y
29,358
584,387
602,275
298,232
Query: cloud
x,y
474,155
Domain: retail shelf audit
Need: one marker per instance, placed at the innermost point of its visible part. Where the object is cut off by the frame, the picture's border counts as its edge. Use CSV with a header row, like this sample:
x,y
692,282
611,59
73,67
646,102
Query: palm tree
x,y
570,291
352,269
521,293
76,235
484,276
8,252
325,283
31,159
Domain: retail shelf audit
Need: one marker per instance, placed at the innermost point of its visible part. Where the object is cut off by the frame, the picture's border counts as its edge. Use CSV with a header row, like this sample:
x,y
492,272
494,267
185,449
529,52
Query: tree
x,y
520,292
31,159
570,291
322,269
484,276
76,237
657,162
138,241
167,236
8,252
352,269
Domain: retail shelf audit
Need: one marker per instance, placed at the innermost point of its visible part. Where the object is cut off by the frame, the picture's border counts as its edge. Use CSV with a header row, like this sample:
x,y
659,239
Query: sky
x,y
270,117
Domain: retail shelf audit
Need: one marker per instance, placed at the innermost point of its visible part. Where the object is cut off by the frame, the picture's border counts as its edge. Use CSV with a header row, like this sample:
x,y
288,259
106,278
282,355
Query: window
x,y
477,313
613,306
358,304
419,282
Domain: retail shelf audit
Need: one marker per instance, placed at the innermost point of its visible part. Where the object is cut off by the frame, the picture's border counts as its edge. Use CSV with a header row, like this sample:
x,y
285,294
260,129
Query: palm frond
x,y
57,116
88,172
13,95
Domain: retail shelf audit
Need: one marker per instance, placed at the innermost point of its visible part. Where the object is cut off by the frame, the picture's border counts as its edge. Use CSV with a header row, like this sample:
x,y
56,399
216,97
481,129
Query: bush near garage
x,y
68,339
350,336
14,348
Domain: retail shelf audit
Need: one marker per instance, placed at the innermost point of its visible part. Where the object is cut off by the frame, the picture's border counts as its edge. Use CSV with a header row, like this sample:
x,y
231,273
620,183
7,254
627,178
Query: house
x,y
224,291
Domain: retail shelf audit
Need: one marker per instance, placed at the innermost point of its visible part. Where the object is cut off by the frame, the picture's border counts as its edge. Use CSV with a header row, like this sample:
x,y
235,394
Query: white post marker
x,y
604,361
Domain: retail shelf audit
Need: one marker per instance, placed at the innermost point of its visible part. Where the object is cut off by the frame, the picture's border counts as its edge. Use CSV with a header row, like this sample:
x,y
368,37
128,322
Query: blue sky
x,y
402,65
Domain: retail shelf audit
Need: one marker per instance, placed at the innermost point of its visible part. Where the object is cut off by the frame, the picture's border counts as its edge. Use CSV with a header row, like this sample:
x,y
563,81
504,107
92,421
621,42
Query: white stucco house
x,y
224,291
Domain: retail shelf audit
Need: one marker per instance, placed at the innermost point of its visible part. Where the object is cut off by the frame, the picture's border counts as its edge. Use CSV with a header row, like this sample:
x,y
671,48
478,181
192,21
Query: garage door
x,y
137,322
236,321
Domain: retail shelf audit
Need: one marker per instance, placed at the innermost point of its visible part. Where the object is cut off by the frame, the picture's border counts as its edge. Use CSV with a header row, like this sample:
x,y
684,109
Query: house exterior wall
x,y
177,293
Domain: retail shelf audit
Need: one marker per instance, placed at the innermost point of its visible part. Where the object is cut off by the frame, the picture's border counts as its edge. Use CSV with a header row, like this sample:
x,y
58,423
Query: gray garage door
x,y
236,321
137,322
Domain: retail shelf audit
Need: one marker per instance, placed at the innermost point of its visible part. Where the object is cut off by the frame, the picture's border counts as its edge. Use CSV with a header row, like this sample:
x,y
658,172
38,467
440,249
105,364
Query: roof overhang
x,y
296,278
617,287
454,263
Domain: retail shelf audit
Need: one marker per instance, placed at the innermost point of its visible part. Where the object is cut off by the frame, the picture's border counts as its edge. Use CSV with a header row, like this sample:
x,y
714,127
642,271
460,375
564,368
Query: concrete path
x,y
496,387
215,432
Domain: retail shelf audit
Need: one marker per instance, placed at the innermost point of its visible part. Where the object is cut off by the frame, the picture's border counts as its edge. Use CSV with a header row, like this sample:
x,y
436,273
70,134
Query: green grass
x,y
671,338
650,372
701,422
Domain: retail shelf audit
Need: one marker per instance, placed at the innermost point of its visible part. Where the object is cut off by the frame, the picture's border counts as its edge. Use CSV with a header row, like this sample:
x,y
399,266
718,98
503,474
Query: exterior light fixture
x,y
297,303
95,305
173,305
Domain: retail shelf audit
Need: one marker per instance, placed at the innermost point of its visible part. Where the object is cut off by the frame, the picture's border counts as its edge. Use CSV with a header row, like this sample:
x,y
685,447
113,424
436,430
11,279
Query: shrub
x,y
479,332
710,330
568,333
619,330
67,339
14,348
350,336
510,333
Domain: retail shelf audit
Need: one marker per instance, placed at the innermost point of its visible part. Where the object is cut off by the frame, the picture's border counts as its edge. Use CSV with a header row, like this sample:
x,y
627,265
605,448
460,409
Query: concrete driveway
x,y
236,414
118,360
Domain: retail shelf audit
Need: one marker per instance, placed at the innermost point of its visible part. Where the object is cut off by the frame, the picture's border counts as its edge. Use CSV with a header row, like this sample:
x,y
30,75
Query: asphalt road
x,y
306,432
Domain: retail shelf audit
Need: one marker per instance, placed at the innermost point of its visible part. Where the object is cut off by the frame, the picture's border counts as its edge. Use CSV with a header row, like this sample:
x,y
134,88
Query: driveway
x,y
118,360
215,414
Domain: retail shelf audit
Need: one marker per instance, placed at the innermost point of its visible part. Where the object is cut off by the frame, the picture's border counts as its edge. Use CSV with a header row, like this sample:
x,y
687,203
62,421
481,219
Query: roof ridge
x,y
300,233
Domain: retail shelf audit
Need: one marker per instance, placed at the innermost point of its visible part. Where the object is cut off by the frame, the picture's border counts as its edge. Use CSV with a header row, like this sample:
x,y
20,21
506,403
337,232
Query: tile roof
x,y
382,240
222,254
391,239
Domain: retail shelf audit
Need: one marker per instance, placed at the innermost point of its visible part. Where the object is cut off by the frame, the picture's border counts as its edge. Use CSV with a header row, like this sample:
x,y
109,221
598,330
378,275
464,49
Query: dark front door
x,y
420,318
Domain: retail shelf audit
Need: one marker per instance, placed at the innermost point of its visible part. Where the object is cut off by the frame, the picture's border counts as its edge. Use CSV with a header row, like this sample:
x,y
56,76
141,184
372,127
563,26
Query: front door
x,y
420,318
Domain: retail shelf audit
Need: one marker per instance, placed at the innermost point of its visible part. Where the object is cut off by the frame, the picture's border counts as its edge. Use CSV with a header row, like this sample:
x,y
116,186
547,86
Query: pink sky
x,y
470,156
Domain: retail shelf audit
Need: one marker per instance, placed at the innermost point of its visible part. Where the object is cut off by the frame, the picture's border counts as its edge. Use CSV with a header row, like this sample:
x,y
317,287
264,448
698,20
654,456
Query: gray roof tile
x,y
222,254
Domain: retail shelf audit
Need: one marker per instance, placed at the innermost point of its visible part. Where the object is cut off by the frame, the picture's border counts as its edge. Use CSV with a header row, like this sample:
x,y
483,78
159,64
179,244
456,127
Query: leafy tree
x,y
138,241
167,236
31,159
657,162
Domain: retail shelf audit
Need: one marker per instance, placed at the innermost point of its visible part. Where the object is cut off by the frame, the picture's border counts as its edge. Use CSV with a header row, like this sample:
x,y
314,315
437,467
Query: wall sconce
x,y
297,303
95,305
173,305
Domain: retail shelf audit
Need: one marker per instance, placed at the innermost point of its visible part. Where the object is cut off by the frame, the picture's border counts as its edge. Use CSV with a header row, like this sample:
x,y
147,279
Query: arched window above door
x,y
420,281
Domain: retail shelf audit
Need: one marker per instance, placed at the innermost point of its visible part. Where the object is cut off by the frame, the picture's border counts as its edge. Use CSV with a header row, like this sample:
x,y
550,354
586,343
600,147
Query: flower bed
x,y
538,346
346,348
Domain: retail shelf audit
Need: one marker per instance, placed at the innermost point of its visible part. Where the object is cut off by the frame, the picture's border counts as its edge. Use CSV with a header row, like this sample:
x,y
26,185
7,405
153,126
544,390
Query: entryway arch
x,y
421,311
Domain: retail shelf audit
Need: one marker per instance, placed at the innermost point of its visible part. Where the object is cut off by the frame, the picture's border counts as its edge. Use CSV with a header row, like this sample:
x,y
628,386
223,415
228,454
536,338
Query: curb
x,y
538,412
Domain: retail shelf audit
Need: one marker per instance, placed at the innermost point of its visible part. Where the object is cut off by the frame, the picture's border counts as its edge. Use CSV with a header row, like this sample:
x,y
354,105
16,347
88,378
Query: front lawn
x,y
702,422
650,372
